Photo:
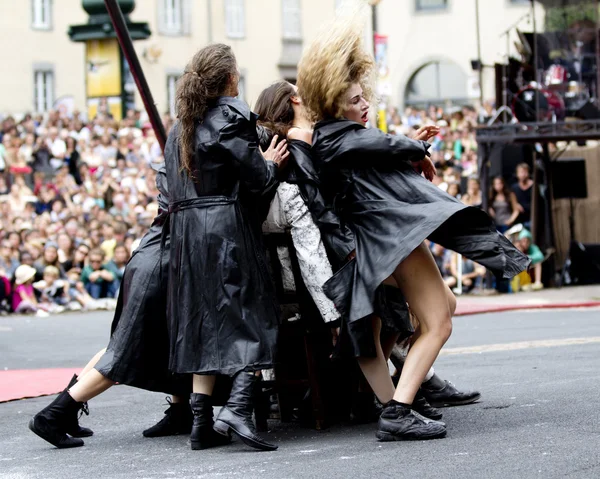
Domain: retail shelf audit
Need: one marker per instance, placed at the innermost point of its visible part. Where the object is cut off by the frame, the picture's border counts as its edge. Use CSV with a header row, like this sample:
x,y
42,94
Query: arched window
x,y
437,82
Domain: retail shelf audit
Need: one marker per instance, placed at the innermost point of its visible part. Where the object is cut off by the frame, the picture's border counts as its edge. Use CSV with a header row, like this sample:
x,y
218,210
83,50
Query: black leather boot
x,y
177,420
74,429
441,393
236,415
203,435
421,405
399,423
52,422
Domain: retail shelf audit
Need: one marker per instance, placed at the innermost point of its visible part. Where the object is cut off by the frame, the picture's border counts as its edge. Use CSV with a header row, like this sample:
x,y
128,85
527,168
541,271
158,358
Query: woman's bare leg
x,y
376,369
90,365
203,384
419,279
90,386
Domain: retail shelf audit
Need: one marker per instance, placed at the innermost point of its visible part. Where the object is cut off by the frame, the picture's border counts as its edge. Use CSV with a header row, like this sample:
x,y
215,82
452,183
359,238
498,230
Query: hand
x,y
277,153
427,168
94,276
352,255
425,133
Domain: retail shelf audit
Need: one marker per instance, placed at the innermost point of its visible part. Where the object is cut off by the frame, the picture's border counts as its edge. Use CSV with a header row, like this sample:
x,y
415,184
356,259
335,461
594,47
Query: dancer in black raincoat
x,y
221,300
138,351
281,111
375,184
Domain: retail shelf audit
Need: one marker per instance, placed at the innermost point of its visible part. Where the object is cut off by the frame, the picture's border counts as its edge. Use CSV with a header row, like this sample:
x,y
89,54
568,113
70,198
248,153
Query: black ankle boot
x,y
73,428
203,435
236,415
421,405
177,420
441,393
400,423
52,422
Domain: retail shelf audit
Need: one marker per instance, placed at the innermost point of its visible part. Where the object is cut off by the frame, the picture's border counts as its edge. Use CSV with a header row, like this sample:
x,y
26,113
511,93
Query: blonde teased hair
x,y
335,60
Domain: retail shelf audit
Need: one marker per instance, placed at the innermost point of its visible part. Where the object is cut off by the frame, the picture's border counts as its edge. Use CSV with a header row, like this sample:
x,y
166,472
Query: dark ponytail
x,y
206,78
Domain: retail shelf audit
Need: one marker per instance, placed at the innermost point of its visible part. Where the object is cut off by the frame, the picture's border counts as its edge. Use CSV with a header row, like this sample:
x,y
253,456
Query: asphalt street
x,y
538,417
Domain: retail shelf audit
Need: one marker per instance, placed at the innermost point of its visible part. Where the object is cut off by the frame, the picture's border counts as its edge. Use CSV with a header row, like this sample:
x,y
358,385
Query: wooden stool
x,y
296,369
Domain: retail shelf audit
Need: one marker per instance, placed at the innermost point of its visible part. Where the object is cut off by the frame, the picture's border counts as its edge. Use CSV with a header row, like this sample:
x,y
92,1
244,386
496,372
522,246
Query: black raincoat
x,y
221,299
368,177
356,338
138,350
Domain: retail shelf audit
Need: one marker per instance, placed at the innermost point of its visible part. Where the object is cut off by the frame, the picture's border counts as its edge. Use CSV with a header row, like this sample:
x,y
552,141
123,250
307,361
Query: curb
x,y
520,307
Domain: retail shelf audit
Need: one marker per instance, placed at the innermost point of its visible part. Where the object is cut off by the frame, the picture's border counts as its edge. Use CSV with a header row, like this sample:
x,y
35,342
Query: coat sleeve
x,y
371,147
239,141
337,238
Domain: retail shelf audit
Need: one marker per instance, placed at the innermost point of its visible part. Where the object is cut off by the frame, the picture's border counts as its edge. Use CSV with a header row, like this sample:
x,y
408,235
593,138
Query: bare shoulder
x,y
300,134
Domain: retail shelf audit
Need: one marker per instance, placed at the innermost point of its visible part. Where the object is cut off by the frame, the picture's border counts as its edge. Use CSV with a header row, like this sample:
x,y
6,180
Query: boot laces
x,y
84,409
170,403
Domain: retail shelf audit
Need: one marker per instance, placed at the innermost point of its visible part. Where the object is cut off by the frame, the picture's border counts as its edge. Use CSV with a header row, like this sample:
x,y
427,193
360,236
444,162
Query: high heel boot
x,y
203,435
236,415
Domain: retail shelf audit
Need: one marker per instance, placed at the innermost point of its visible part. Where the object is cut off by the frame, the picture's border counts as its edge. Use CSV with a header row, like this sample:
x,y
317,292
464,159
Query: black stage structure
x,y
547,96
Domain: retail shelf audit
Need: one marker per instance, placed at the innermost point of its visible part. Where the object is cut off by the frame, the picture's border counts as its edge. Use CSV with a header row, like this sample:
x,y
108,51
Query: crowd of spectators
x,y
75,197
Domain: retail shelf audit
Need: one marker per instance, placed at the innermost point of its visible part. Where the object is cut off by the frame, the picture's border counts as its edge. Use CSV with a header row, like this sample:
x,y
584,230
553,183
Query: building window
x,y
432,4
171,16
235,18
292,13
171,91
41,14
43,90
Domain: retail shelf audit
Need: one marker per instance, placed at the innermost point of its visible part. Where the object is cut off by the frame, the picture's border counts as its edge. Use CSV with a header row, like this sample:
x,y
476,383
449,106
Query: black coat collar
x,y
238,105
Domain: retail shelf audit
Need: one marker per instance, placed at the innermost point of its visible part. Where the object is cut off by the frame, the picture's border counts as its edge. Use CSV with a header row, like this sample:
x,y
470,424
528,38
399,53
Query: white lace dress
x,y
289,211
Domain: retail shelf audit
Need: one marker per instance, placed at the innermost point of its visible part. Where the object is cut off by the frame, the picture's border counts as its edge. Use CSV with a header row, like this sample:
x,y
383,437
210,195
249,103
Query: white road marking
x,y
543,343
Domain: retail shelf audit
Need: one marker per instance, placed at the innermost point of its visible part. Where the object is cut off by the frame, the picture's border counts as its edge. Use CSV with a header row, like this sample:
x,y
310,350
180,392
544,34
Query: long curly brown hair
x,y
274,108
334,61
207,77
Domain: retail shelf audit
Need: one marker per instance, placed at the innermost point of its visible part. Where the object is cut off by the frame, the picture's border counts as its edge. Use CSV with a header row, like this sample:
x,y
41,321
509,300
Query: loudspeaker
x,y
585,263
589,111
569,178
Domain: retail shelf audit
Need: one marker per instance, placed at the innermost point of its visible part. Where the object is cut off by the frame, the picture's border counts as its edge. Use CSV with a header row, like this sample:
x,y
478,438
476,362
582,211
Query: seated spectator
x,y
473,195
23,296
79,294
117,264
49,258
98,281
472,273
8,262
110,243
525,245
503,205
52,291
454,190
